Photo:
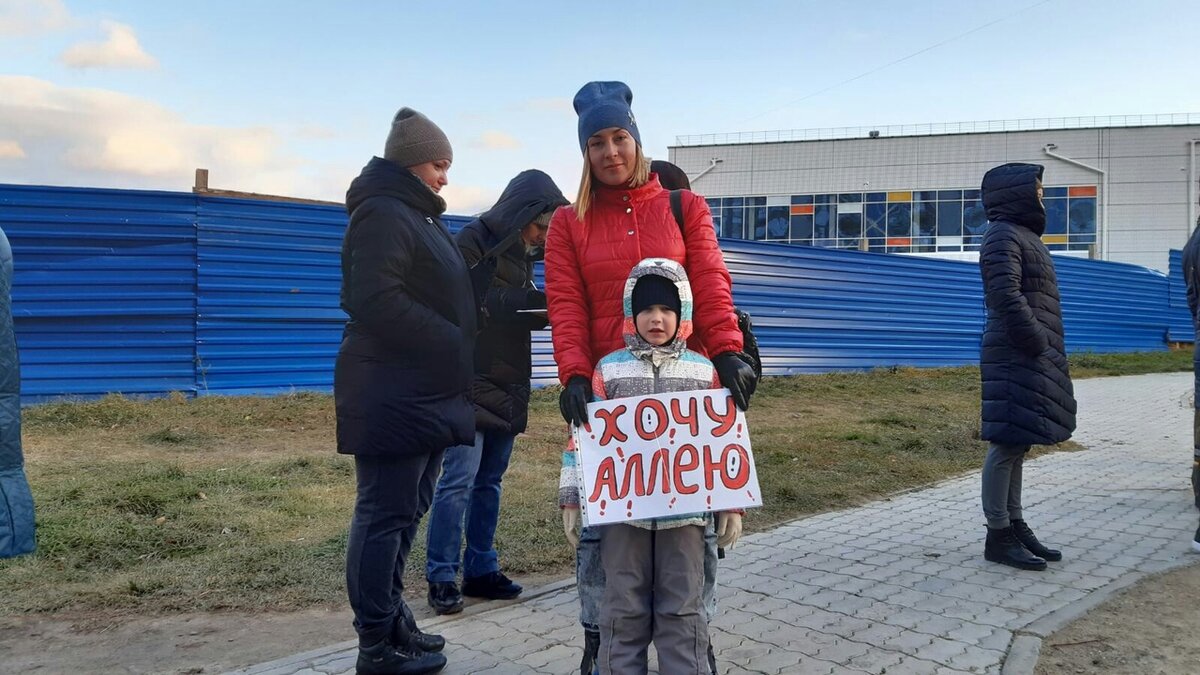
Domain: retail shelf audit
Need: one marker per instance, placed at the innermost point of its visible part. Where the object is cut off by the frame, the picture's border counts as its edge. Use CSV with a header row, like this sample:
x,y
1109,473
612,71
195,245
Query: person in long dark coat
x,y
402,379
1191,276
16,501
501,245
1028,398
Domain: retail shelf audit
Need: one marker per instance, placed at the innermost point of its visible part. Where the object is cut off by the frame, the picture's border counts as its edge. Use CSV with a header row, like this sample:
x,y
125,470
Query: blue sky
x,y
293,97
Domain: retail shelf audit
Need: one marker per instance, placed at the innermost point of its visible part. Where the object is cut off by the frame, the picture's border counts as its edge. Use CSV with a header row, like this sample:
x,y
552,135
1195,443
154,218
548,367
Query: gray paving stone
x,y
899,585
876,661
841,650
976,660
911,665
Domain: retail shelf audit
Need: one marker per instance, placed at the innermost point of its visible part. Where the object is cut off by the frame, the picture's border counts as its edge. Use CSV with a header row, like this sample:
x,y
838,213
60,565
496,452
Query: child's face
x,y
657,324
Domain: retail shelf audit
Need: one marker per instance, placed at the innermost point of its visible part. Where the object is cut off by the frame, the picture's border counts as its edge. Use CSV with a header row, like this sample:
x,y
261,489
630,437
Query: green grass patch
x,y
173,505
1135,363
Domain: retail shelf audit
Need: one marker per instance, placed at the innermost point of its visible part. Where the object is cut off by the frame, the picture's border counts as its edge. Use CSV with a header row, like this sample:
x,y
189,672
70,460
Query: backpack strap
x,y
677,209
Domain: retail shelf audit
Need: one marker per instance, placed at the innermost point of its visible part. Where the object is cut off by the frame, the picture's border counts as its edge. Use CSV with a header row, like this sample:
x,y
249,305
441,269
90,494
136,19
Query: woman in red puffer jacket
x,y
621,216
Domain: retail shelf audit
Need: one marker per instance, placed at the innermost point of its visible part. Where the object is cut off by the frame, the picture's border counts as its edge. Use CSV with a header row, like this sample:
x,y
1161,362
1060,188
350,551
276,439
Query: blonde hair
x,y
583,200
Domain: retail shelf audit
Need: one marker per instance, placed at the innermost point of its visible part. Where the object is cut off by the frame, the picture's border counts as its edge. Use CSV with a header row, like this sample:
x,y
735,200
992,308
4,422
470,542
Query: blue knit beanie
x,y
603,105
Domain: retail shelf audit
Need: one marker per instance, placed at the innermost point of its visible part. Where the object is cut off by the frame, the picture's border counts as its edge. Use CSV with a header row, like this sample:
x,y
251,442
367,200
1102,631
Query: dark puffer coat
x,y
1027,393
502,361
1191,276
16,502
403,374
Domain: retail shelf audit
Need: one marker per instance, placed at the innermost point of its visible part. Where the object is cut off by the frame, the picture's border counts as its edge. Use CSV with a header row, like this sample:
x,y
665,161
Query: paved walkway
x,y
900,585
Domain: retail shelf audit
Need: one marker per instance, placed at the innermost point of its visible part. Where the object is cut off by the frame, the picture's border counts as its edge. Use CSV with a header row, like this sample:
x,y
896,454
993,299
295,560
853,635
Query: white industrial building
x,y
1116,188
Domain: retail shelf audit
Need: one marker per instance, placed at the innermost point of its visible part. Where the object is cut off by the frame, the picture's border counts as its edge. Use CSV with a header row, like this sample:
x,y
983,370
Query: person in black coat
x,y
1191,276
16,501
1027,393
500,246
402,378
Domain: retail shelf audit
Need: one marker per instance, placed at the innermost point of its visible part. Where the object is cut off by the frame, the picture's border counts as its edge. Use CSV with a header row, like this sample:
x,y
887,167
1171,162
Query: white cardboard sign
x,y
665,455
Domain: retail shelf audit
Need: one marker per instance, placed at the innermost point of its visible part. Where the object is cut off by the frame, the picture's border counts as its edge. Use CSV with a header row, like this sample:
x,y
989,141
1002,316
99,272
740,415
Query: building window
x,y
759,222
1056,216
802,228
974,217
822,216
899,221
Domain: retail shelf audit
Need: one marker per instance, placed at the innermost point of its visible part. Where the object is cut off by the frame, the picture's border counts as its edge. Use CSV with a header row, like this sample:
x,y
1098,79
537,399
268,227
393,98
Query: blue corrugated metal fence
x,y
104,289
267,280
149,292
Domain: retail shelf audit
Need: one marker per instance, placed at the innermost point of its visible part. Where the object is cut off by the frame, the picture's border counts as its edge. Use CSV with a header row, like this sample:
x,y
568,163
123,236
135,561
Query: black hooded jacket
x,y
1191,278
1027,393
502,361
403,374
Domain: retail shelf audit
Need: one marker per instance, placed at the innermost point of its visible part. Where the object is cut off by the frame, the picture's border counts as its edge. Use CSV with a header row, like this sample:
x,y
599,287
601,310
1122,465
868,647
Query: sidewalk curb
x,y
290,664
1025,649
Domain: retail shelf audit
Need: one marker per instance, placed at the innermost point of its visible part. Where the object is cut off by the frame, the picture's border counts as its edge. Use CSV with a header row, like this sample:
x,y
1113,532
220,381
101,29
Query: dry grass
x,y
170,505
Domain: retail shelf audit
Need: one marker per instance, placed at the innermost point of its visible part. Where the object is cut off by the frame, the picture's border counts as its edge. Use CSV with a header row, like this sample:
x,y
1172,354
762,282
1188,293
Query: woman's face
x,y
433,173
612,154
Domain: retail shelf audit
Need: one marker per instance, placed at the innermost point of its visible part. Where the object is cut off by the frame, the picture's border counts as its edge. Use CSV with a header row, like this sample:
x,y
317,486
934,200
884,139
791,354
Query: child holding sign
x,y
655,568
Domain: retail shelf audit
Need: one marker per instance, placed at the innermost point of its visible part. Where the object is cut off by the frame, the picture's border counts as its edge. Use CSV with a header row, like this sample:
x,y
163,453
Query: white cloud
x,y
103,138
32,17
496,140
468,199
121,49
11,150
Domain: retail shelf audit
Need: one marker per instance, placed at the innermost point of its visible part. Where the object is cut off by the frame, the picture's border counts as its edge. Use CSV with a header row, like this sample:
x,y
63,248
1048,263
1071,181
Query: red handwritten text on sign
x,y
669,454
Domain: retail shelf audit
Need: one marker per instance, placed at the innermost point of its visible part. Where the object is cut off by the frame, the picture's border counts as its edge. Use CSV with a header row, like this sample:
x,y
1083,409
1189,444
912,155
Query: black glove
x,y
573,400
535,299
738,376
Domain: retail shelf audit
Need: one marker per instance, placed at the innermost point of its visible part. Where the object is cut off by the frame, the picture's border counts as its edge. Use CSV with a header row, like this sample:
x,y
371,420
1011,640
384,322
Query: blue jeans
x,y
468,489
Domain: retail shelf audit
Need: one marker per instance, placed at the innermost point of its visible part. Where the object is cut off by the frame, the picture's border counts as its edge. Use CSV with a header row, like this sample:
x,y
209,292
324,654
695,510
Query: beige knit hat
x,y
415,139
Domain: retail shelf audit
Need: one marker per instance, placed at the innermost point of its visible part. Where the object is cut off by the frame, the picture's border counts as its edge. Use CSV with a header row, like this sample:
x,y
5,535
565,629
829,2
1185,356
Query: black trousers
x,y
393,494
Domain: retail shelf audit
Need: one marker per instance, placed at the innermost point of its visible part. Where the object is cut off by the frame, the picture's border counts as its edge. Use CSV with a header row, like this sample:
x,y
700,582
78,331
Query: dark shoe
x,y
383,658
406,633
590,665
712,660
1196,541
493,586
444,597
1031,543
1003,547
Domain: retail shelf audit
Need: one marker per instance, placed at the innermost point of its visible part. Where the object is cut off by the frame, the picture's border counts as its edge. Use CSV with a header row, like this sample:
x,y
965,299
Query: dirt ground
x,y
1151,628
184,644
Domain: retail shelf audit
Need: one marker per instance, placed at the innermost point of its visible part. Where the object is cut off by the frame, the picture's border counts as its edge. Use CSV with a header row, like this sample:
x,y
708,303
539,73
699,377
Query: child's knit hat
x,y
655,289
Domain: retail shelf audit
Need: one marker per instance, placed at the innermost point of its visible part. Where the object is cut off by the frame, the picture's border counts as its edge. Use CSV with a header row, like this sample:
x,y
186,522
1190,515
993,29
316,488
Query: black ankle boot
x,y
406,634
591,652
384,658
1031,543
1003,547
